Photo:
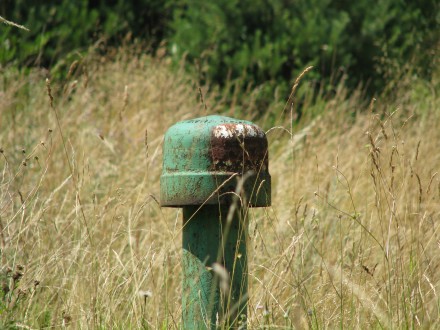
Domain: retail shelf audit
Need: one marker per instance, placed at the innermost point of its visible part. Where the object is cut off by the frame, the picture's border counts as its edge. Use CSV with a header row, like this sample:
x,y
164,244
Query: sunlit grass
x,y
351,238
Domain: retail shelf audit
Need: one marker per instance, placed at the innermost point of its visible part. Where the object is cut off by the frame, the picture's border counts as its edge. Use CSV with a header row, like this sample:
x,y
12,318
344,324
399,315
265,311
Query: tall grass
x,y
351,239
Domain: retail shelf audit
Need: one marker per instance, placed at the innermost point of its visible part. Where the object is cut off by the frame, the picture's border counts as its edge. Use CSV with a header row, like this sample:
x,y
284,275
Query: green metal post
x,y
210,236
214,168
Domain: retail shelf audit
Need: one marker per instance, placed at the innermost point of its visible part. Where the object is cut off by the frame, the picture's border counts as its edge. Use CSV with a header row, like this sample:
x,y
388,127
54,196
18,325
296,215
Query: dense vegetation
x,y
261,43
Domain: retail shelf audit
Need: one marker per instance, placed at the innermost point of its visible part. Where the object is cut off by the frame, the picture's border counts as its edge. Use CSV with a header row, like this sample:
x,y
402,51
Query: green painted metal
x,y
196,171
215,168
208,237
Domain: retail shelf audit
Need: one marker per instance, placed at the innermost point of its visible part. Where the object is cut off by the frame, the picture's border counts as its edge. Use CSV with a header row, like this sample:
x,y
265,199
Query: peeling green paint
x,y
195,172
215,168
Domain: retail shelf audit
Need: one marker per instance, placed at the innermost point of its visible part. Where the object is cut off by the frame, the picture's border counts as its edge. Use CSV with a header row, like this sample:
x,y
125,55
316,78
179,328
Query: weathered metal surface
x,y
204,158
238,148
205,241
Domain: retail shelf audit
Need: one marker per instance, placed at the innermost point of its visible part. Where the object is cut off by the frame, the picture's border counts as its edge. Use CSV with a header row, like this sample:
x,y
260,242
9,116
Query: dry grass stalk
x,y
5,21
360,252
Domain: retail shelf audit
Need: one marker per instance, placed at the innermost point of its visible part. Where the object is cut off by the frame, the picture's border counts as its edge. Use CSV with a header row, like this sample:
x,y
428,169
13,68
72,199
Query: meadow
x,y
351,240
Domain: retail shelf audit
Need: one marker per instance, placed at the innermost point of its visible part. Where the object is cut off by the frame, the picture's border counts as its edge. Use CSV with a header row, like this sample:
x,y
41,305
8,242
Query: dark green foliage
x,y
54,30
270,42
385,36
265,40
66,26
262,43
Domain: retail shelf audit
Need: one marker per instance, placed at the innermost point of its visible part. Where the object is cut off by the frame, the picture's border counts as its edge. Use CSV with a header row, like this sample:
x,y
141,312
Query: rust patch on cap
x,y
239,148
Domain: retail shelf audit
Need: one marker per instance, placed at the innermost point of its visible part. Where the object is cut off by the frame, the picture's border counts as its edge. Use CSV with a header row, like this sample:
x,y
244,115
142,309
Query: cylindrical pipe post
x,y
214,168
214,235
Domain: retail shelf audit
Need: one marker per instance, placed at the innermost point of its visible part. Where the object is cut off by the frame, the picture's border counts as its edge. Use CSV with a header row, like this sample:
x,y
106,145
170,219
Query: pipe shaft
x,y
214,294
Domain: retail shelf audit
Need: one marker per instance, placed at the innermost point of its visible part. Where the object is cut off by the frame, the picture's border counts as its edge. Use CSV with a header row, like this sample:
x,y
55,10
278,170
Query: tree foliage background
x,y
255,43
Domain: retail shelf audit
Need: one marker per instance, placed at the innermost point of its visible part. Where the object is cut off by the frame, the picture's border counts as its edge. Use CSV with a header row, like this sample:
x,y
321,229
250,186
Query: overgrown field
x,y
352,238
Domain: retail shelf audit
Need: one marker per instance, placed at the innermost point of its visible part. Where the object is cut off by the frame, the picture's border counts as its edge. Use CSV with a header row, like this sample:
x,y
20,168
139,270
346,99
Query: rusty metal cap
x,y
206,159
